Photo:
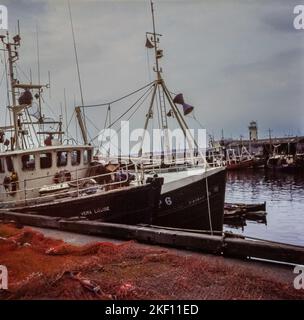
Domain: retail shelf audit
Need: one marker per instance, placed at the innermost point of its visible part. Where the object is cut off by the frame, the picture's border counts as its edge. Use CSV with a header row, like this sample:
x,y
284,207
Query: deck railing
x,y
75,184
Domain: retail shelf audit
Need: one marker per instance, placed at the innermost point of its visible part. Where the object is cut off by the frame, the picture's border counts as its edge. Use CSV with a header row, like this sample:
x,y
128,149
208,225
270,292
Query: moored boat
x,y
42,175
192,196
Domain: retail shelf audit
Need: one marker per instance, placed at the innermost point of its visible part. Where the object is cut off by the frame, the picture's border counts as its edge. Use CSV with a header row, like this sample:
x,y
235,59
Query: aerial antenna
x,y
38,53
38,70
66,114
18,27
77,62
31,76
49,80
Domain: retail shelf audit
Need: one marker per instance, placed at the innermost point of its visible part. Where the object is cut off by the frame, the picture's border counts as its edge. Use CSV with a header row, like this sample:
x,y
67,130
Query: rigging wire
x,y
194,118
105,123
129,109
2,77
119,99
139,106
49,106
76,58
72,116
132,114
24,74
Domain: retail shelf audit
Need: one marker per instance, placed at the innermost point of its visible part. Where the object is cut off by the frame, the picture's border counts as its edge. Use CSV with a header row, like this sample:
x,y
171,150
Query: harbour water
x,y
284,195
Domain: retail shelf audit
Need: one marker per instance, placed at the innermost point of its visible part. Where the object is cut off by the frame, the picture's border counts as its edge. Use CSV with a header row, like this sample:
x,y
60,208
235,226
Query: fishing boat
x,y
39,174
282,162
193,192
236,162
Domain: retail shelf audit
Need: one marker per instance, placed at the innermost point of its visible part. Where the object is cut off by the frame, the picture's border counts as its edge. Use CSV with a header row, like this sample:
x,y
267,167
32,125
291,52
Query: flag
x,y
149,43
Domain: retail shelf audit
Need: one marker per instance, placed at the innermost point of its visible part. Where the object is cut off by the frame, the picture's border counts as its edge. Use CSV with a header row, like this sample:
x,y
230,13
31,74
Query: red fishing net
x,y
44,268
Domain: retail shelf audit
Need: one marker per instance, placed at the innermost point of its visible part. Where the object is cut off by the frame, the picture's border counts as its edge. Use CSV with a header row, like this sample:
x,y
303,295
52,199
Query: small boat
x,y
245,207
256,215
232,214
236,214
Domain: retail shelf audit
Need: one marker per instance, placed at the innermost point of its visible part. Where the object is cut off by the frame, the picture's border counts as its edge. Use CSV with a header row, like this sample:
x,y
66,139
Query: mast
x,y
19,108
81,125
12,58
158,53
164,94
155,42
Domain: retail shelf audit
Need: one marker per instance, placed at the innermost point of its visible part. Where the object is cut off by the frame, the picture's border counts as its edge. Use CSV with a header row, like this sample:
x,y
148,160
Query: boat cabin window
x,y
62,158
45,160
87,155
2,169
28,162
9,164
75,157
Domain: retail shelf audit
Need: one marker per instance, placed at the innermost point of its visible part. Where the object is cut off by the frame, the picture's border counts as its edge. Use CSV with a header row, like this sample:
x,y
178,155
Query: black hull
x,y
187,206
128,206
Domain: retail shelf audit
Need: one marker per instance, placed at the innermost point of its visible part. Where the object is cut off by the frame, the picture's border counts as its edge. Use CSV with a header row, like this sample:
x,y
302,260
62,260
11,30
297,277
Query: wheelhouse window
x,y
2,169
62,158
45,160
87,156
9,164
75,157
28,162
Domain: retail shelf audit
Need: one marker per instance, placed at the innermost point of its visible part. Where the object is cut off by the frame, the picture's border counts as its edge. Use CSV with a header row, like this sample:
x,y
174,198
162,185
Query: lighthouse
x,y
253,131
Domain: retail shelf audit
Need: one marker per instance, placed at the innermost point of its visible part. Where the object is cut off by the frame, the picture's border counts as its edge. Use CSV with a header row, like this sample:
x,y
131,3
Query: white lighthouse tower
x,y
253,131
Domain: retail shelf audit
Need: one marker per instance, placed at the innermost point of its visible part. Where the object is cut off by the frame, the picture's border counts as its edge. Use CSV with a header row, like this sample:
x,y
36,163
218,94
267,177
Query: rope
x,y
208,204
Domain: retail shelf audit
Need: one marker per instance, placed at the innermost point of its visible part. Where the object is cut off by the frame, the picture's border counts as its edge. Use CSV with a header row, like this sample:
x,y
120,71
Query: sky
x,y
234,60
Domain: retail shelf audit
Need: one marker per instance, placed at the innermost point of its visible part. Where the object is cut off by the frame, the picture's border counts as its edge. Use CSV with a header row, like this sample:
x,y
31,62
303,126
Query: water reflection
x,y
284,194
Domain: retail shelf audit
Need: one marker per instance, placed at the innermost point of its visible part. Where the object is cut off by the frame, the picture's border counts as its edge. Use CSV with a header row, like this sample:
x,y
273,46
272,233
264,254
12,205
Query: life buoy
x,y
62,176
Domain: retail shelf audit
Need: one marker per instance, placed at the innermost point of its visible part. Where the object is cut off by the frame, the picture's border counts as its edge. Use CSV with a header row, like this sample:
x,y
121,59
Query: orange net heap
x,y
45,268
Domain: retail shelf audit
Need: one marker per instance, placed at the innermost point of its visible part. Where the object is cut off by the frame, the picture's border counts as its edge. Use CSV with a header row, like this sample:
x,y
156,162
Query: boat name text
x,y
94,211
